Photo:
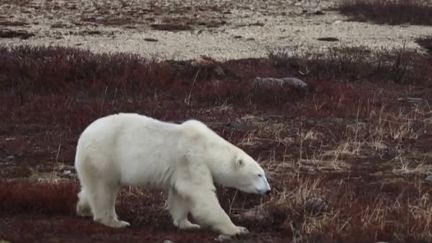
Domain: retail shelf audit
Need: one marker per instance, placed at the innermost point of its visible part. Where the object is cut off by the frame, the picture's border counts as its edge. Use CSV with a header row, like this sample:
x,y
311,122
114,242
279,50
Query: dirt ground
x,y
173,29
348,160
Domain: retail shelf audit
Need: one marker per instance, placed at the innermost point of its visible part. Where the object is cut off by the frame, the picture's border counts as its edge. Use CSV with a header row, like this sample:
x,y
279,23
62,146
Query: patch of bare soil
x,y
222,29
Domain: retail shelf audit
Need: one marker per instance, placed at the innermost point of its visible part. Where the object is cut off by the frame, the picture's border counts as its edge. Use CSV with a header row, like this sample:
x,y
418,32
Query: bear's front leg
x,y
179,209
101,197
207,211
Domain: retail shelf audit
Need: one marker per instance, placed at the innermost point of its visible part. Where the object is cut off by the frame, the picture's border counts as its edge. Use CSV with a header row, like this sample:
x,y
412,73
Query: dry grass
x,y
393,12
367,201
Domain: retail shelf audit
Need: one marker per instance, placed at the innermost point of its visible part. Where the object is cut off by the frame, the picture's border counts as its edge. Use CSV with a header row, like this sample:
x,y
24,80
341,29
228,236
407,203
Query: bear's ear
x,y
239,163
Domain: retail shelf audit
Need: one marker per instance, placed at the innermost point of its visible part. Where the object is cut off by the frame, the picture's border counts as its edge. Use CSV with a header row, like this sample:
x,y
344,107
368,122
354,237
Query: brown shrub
x,y
393,12
358,64
66,70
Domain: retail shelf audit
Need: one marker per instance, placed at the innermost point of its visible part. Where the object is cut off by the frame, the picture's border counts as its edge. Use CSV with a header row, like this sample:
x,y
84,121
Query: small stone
x,y
168,241
318,12
411,100
236,127
328,39
151,39
272,82
67,172
256,214
221,238
219,71
428,179
315,206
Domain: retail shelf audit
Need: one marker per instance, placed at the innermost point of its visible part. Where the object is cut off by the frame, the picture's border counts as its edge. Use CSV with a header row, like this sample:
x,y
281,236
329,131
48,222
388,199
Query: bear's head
x,y
246,175
229,165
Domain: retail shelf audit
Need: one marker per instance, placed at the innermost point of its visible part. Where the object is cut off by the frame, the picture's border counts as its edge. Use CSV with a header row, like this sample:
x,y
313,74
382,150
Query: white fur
x,y
186,160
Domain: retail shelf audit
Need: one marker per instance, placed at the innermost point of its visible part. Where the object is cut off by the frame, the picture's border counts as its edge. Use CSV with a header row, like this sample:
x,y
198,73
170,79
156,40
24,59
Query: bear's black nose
x,y
268,192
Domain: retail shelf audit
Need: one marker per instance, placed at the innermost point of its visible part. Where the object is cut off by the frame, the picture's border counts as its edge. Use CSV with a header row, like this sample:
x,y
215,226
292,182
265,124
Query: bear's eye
x,y
259,175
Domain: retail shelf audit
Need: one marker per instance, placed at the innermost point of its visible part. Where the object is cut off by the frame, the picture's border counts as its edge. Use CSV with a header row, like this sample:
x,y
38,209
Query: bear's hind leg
x,y
179,210
83,206
102,201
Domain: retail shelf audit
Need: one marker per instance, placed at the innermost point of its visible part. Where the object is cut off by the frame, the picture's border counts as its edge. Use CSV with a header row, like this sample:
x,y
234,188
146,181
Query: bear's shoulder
x,y
196,129
194,125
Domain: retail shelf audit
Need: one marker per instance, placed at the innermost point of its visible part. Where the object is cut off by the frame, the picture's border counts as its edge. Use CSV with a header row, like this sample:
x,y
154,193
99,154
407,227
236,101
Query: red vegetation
x,y
41,197
359,141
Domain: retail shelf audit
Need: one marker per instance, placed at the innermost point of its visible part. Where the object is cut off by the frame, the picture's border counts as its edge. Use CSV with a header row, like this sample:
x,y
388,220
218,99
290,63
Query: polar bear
x,y
183,159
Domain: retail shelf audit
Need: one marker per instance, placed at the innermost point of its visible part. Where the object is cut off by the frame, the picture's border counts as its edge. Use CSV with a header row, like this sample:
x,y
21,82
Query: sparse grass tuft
x,y
393,12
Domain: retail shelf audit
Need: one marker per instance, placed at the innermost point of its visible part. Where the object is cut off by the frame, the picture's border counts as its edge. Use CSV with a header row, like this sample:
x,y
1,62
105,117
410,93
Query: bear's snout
x,y
263,187
264,192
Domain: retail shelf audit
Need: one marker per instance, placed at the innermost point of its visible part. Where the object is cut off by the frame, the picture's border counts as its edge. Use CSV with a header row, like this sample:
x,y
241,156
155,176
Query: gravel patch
x,y
221,29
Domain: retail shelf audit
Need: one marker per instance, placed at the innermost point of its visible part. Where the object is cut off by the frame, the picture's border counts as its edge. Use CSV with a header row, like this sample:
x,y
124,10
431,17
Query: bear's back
x,y
124,126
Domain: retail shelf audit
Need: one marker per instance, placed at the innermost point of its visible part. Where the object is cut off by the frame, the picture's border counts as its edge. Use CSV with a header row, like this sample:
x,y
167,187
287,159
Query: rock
x,y
274,82
150,39
219,71
67,172
236,127
91,32
428,179
8,160
315,206
411,100
255,214
328,39
256,24
318,12
168,241
221,238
